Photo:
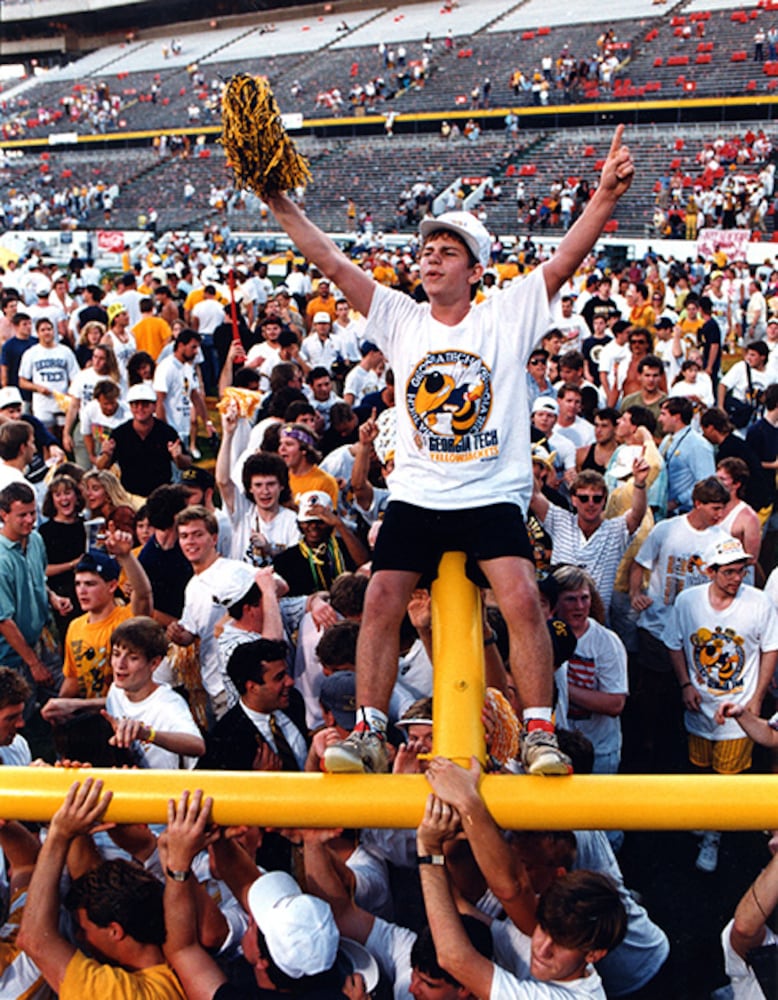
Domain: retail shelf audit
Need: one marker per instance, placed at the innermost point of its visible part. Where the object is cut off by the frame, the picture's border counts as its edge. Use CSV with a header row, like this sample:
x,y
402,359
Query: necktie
x,y
284,751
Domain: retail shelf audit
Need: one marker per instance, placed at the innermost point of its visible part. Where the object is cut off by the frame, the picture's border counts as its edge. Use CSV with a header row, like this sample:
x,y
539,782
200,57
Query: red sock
x,y
533,724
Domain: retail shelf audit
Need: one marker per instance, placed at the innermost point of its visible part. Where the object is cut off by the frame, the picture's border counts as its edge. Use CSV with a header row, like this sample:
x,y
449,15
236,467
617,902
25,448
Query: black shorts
x,y
414,538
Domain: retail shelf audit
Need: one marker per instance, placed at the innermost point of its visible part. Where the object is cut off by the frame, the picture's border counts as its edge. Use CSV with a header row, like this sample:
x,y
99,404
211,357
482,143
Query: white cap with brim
x,y
307,501
322,317
725,552
357,958
231,581
545,403
141,393
621,465
467,227
299,929
10,396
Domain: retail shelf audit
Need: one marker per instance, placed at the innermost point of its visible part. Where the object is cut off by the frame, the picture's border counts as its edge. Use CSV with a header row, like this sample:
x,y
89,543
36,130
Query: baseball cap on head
x,y
313,498
10,396
97,562
114,309
142,392
299,929
467,227
726,552
339,695
322,317
545,403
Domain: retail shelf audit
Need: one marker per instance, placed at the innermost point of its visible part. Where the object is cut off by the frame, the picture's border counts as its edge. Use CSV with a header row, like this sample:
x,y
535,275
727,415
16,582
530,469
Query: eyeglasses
x,y
589,497
733,571
639,341
537,361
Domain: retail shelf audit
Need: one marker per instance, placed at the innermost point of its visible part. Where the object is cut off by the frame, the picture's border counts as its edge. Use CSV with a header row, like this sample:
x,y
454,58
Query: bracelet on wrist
x,y
437,860
639,486
152,735
688,684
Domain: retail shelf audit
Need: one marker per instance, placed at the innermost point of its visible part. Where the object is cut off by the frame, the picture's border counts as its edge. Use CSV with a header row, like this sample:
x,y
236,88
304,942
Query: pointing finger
x,y
616,140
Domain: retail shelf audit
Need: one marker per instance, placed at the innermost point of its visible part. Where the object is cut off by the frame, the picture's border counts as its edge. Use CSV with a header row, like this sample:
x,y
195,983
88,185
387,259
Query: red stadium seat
x,y
703,58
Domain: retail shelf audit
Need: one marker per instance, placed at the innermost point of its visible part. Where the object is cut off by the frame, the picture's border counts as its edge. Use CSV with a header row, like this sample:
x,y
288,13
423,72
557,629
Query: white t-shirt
x,y
580,433
94,421
736,380
359,382
513,948
83,385
462,412
200,615
599,663
177,379
163,710
722,650
55,367
123,350
673,552
391,946
610,358
744,983
17,753
209,314
317,352
281,532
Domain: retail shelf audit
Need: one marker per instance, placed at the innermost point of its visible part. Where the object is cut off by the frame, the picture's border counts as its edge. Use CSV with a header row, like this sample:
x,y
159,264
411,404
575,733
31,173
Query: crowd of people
x,y
587,433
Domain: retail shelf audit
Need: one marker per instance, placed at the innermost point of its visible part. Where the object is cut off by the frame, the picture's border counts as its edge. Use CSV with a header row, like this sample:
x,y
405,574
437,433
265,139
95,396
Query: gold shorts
x,y
723,756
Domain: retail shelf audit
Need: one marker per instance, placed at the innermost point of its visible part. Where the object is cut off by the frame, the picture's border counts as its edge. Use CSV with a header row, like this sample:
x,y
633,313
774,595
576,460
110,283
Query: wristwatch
x,y
430,859
178,876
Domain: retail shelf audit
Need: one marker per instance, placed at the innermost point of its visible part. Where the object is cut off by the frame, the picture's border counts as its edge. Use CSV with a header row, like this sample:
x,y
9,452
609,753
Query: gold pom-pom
x,y
261,154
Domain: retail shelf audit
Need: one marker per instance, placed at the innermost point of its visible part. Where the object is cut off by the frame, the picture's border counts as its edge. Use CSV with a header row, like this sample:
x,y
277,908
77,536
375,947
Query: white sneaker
x,y
708,856
540,754
362,752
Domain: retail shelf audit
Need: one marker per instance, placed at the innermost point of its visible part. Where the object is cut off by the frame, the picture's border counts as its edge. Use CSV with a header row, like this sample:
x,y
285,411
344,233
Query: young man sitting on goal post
x,y
463,474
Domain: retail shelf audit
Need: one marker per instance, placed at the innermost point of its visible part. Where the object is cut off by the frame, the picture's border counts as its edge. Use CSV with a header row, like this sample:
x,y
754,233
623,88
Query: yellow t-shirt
x,y
88,652
151,334
316,479
85,977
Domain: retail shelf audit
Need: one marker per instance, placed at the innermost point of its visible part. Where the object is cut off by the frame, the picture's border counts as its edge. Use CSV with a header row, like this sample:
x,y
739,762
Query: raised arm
x,y
39,933
504,874
186,835
615,180
355,284
222,470
454,951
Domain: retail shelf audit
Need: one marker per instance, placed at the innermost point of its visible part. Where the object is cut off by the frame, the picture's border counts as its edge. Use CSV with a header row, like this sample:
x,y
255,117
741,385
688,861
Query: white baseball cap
x,y
546,403
467,227
725,552
300,930
307,501
10,396
141,393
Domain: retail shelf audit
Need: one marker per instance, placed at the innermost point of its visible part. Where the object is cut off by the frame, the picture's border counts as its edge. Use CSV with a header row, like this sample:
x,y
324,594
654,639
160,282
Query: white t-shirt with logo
x,y
177,379
722,650
462,414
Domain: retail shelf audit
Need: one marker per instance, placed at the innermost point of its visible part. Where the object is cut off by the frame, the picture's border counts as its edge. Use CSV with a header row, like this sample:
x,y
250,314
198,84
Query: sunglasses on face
x,y
590,497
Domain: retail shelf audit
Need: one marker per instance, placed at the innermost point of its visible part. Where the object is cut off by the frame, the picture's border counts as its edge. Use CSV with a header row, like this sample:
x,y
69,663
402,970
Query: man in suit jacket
x,y
265,730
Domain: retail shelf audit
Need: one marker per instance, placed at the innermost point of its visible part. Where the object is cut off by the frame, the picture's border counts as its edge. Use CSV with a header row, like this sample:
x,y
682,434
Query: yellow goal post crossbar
x,y
627,802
